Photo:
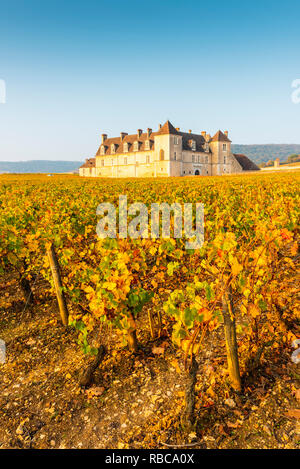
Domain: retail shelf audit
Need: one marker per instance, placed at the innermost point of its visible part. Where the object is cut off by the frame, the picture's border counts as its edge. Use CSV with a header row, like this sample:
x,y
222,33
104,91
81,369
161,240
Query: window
x,y
174,155
224,147
224,159
193,158
125,147
206,159
161,155
135,146
148,159
125,160
193,145
112,161
147,145
112,148
102,150
102,162
175,140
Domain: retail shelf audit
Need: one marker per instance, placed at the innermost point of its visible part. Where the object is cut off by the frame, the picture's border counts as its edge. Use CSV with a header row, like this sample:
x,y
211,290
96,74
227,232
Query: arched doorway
x,y
197,172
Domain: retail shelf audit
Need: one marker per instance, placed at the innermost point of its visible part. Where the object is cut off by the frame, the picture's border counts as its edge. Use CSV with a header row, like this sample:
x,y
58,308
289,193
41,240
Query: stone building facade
x,y
167,152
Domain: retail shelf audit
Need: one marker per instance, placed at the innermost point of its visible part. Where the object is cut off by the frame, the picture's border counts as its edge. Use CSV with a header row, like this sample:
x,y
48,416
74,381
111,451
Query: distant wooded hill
x,y
263,153
39,166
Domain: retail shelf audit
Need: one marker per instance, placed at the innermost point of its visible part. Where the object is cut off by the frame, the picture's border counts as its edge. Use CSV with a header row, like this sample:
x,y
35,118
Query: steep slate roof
x,y
130,139
166,129
188,137
245,162
89,163
220,137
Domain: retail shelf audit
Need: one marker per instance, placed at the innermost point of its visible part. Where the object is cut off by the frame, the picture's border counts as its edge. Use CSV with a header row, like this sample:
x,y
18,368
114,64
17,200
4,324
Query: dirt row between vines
x,y
134,401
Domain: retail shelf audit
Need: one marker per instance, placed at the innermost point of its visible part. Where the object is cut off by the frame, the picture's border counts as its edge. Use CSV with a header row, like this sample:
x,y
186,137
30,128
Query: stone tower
x,y
220,147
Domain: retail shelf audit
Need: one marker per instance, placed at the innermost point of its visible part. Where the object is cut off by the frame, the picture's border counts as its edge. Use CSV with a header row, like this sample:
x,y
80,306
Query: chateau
x,y
167,152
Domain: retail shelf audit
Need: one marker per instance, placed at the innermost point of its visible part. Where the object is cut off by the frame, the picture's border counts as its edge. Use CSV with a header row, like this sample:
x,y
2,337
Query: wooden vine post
x,y
54,265
131,333
231,342
151,324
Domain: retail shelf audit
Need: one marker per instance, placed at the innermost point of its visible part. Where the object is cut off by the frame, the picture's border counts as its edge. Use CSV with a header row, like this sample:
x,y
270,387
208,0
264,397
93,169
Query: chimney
x,y
139,132
226,133
159,126
149,132
122,135
190,131
177,128
203,133
104,137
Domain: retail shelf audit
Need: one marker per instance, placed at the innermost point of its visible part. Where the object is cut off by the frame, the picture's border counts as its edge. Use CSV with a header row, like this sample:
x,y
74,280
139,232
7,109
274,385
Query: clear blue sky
x,y
75,69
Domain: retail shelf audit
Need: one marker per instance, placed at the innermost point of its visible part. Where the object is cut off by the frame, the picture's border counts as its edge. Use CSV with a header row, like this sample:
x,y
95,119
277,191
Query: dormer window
x,y
147,145
112,148
102,150
193,145
136,146
206,147
125,147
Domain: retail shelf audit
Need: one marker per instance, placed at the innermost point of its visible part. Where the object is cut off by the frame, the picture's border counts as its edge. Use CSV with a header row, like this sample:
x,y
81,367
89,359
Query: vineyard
x,y
155,346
